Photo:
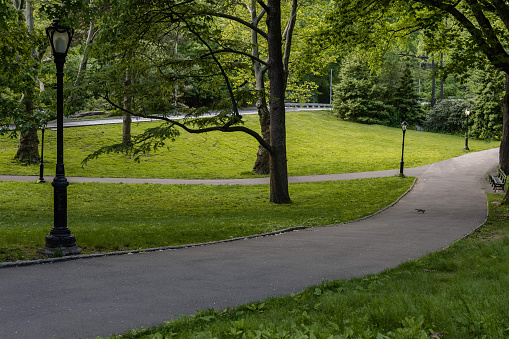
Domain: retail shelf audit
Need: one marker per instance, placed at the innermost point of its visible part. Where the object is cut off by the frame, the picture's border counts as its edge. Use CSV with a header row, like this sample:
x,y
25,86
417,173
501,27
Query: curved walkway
x,y
100,296
413,172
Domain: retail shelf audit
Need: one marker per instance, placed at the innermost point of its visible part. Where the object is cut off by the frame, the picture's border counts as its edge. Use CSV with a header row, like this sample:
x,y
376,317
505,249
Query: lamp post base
x,y
63,245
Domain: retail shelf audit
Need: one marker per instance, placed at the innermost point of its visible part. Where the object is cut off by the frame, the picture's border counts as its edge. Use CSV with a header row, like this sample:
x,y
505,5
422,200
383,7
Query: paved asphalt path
x,y
72,122
101,296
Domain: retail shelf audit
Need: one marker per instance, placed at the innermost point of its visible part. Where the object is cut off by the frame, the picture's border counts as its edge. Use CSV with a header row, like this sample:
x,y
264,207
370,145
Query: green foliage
x,y
487,117
176,47
151,215
405,101
387,99
18,69
448,116
357,96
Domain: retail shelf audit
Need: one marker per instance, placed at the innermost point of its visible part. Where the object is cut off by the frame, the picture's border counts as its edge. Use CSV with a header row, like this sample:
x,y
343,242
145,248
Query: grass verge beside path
x,y
111,217
459,292
317,143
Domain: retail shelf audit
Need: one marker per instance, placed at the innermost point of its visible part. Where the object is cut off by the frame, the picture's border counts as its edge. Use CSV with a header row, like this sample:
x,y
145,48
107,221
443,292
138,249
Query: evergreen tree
x,y
357,95
487,117
406,101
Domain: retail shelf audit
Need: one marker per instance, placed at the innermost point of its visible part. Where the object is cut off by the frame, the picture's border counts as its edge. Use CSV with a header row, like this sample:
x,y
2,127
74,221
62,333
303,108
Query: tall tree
x,y
406,105
357,96
487,114
299,17
21,53
146,29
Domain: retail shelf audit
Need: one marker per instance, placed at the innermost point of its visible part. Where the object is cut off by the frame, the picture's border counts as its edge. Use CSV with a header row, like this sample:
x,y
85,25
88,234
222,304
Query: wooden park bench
x,y
498,181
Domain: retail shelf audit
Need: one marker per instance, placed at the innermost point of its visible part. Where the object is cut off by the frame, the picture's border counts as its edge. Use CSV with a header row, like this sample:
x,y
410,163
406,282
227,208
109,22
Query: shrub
x,y
448,116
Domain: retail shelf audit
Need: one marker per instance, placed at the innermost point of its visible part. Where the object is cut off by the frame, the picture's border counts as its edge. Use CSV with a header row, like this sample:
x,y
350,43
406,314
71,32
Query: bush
x,y
448,116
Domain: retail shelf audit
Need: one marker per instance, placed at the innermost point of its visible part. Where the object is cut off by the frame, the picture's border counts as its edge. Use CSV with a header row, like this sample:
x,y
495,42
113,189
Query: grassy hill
x,y
317,142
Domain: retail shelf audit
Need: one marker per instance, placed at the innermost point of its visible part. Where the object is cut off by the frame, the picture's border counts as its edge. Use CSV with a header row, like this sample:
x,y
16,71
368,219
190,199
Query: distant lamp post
x,y
404,126
467,113
41,165
60,241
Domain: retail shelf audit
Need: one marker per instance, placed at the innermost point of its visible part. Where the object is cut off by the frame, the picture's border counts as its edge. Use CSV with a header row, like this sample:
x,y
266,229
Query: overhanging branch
x,y
225,128
229,50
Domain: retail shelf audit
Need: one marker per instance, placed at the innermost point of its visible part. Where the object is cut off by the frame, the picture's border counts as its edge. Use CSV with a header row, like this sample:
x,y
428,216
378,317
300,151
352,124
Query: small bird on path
x,y
420,210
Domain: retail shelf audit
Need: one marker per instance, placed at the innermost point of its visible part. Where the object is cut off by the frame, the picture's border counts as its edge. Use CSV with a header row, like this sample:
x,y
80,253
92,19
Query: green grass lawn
x,y
318,143
151,215
460,292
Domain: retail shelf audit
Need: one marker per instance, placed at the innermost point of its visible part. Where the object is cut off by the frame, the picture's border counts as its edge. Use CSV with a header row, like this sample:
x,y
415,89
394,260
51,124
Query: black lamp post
x,y
60,238
404,125
41,165
467,113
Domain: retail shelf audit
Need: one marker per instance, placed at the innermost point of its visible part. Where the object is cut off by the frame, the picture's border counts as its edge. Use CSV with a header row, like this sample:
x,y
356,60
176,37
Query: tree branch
x,y
225,128
229,50
501,8
485,37
264,6
241,21
288,35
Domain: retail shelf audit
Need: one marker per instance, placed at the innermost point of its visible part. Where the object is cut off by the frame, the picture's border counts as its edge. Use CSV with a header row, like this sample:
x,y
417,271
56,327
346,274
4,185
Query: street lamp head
x,y
59,37
404,126
467,112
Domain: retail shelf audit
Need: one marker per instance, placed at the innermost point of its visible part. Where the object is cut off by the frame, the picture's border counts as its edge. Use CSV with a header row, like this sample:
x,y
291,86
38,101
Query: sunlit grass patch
x,y
317,142
109,217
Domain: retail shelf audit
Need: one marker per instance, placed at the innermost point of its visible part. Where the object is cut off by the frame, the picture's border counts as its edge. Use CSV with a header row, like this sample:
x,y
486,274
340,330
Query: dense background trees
x,y
471,32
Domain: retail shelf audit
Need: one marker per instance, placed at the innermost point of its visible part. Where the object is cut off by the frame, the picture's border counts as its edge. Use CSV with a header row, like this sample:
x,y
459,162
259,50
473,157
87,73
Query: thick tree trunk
x,y
126,127
504,144
278,162
28,145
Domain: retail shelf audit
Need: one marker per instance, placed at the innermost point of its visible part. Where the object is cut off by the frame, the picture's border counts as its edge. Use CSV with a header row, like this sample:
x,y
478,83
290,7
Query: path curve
x,y
101,296
413,172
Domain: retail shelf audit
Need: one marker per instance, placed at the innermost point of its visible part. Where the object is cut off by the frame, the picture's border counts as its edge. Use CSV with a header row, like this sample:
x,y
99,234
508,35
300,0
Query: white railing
x,y
307,104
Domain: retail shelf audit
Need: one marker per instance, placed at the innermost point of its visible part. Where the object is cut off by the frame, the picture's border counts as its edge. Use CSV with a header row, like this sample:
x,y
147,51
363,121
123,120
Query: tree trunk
x,y
278,162
126,127
433,81
262,163
84,59
504,144
28,145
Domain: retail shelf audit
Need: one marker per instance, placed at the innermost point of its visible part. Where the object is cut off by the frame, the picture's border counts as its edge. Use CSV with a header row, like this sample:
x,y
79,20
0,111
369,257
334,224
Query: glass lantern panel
x,y
60,41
